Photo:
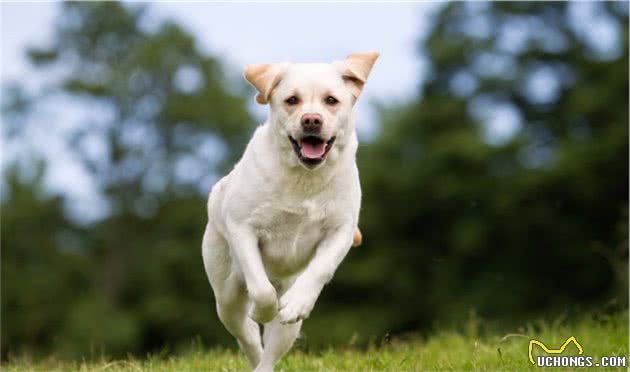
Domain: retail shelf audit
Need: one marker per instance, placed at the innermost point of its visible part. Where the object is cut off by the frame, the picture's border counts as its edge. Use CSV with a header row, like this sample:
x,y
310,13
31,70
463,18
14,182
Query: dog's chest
x,y
289,234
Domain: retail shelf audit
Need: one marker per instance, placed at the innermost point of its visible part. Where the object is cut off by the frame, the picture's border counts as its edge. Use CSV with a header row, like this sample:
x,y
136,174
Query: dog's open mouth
x,y
311,150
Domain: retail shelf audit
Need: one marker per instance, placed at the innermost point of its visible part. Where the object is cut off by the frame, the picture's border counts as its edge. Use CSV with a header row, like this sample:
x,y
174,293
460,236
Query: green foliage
x,y
134,281
455,221
36,273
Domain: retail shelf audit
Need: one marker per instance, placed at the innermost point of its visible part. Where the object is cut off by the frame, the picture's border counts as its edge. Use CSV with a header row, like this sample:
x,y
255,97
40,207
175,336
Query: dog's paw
x,y
295,305
265,307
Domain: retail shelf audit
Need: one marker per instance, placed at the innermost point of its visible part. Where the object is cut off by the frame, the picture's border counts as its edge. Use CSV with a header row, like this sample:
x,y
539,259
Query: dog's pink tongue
x,y
313,151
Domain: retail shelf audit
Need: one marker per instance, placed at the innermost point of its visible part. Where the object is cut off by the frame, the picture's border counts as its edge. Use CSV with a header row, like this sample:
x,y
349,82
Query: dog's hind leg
x,y
278,339
231,296
232,311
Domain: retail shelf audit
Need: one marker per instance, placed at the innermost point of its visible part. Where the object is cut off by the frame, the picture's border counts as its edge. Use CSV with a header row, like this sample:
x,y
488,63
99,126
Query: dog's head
x,y
311,104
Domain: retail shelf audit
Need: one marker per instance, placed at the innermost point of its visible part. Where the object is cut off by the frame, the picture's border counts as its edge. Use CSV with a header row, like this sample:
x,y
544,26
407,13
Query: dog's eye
x,y
331,100
293,100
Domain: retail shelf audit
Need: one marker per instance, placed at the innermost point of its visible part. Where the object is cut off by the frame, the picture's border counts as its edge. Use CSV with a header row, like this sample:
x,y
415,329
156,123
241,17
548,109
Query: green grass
x,y
444,351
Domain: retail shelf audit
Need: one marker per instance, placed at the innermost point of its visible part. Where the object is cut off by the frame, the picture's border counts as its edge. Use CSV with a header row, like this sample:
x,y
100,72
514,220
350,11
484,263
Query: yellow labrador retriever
x,y
281,222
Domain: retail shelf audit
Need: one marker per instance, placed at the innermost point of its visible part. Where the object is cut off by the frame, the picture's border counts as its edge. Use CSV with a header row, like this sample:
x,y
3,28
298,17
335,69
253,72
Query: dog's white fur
x,y
277,228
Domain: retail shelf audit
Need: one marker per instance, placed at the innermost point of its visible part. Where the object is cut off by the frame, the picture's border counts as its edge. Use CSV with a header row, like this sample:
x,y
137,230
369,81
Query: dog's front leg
x,y
296,304
244,245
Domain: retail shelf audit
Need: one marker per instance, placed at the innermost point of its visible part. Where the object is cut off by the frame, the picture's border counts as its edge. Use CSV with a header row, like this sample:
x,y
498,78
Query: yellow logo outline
x,y
553,351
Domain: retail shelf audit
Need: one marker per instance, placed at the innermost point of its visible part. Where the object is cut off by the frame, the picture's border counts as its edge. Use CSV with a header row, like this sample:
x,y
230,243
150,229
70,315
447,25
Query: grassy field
x,y
444,351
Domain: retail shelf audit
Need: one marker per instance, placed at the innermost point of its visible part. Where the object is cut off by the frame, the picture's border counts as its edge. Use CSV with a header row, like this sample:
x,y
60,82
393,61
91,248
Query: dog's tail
x,y
357,239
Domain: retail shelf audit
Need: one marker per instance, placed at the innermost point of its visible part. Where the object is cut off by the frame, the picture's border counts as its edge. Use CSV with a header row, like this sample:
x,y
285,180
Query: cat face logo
x,y
553,351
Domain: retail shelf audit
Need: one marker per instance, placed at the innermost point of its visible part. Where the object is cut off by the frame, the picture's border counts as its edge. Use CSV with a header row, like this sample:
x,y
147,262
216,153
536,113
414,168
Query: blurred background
x,y
493,160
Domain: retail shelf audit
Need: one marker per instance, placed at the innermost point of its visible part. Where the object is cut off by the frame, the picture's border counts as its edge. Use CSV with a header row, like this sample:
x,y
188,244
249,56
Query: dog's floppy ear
x,y
355,70
264,77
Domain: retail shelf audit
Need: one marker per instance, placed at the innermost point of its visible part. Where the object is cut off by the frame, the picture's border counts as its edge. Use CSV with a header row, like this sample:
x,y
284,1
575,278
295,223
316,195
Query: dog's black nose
x,y
311,122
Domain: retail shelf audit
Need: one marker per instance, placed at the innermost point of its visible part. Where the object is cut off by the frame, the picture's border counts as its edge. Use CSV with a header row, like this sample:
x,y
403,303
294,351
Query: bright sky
x,y
244,33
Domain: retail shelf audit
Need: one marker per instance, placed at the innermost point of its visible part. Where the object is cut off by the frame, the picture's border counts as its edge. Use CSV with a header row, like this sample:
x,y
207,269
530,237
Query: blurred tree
x,y
501,189
36,273
161,123
168,116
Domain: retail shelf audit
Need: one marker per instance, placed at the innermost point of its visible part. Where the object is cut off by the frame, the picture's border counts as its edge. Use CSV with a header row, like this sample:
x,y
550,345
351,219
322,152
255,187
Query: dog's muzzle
x,y
311,150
